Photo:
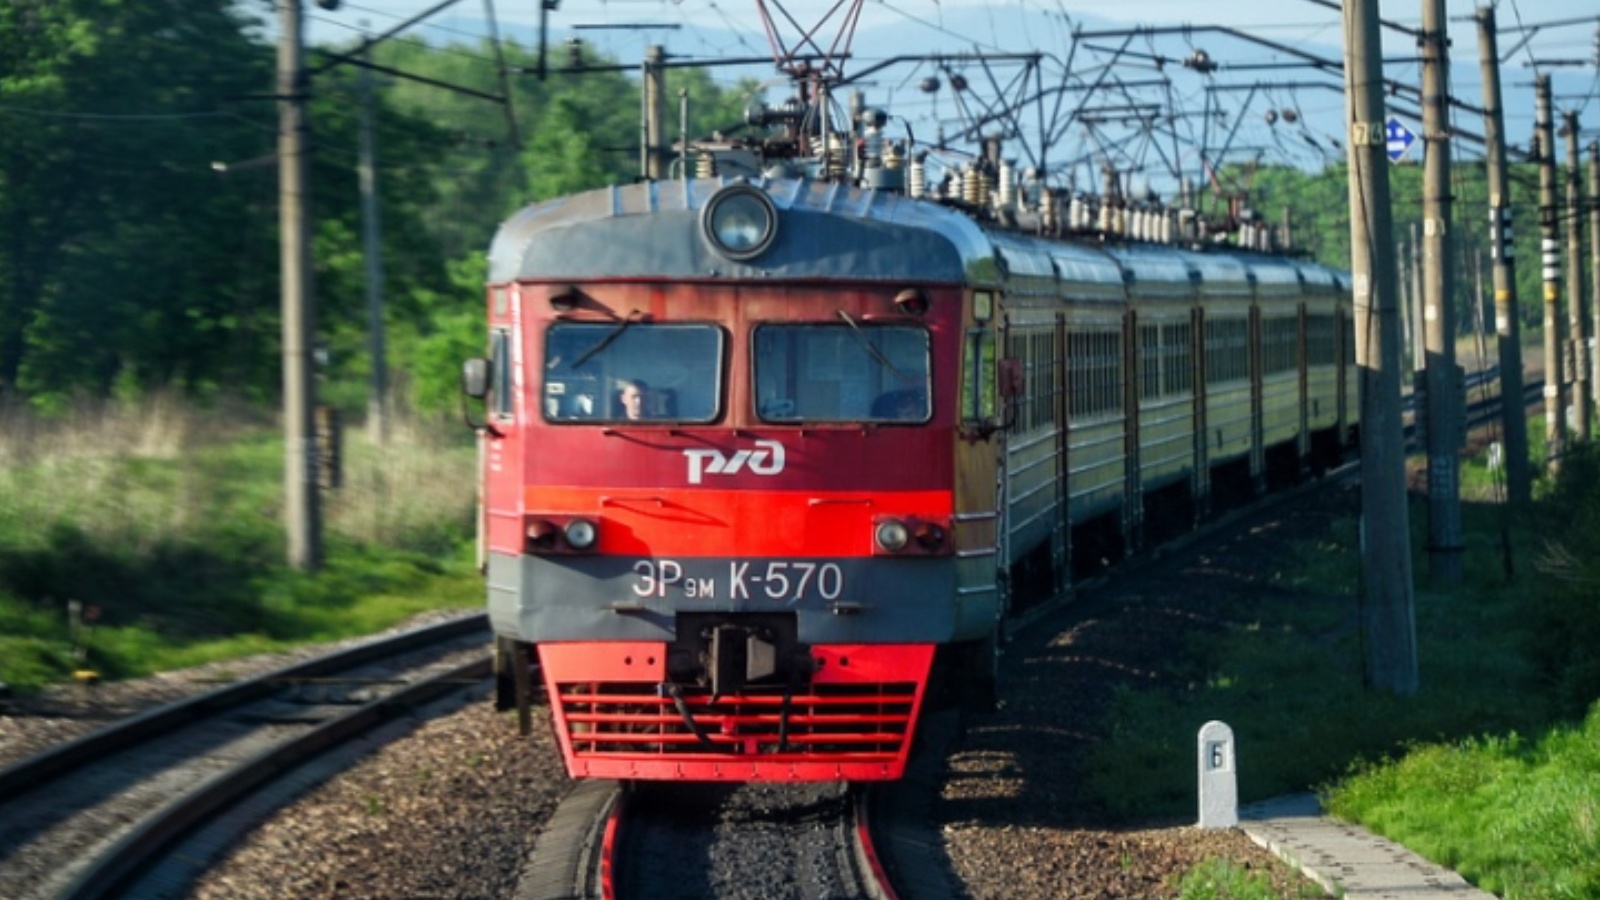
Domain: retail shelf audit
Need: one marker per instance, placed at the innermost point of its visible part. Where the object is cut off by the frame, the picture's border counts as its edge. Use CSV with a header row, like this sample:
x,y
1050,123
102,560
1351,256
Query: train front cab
x,y
760,574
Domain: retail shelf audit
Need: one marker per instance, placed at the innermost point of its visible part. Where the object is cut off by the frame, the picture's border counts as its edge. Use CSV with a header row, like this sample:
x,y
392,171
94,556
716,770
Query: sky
x,y
1260,80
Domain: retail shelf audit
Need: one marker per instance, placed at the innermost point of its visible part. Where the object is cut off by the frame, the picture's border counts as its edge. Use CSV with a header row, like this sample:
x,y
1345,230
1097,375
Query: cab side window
x,y
501,403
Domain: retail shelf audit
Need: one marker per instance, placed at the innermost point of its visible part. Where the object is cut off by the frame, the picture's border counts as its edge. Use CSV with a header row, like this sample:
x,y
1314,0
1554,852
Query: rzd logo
x,y
766,459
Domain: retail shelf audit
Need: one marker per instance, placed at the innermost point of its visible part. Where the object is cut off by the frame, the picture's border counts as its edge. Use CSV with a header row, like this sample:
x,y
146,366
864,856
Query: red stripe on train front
x,y
682,522
854,720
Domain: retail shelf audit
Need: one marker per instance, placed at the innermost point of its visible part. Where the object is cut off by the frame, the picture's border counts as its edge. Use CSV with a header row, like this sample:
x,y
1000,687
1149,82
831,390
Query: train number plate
x,y
778,581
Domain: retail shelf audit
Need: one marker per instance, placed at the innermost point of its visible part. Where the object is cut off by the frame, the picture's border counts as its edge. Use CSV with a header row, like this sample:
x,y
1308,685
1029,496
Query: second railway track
x,y
82,819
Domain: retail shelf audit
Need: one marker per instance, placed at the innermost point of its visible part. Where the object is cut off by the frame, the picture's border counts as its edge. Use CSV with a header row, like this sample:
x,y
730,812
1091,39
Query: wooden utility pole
x,y
1507,319
1577,318
1445,433
302,511
372,251
1594,256
1388,614
1555,418
1412,293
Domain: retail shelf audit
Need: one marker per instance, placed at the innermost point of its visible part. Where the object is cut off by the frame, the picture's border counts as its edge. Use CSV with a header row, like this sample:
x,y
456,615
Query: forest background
x,y
131,260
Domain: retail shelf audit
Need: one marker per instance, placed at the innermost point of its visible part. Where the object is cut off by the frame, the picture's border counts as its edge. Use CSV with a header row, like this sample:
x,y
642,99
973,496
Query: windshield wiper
x,y
605,342
855,331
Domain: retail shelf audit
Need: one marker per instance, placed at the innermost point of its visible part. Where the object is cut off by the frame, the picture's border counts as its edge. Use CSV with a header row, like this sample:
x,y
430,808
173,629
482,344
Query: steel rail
x,y
138,849
43,767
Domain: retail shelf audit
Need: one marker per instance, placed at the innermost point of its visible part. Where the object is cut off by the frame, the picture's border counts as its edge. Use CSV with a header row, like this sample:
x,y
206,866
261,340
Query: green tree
x,y
110,115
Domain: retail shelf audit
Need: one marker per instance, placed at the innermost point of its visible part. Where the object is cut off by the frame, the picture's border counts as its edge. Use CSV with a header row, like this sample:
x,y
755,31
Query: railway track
x,y
90,817
669,841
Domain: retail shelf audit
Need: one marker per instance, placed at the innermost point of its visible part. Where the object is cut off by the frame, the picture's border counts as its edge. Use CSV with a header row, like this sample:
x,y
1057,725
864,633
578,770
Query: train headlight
x,y
891,535
740,221
580,534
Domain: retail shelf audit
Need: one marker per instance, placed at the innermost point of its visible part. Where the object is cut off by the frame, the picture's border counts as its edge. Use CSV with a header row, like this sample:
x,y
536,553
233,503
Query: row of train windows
x,y
1166,362
810,373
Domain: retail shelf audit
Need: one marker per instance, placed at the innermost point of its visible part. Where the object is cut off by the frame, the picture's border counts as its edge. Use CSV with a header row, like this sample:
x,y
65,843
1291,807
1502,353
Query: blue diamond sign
x,y
1397,138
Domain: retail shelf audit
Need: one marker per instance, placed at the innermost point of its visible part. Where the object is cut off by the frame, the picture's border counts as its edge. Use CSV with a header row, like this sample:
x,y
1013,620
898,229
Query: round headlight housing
x,y
891,535
740,222
580,534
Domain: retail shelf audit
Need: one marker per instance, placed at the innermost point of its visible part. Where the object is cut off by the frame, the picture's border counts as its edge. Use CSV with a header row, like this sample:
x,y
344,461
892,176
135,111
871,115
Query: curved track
x,y
83,819
669,841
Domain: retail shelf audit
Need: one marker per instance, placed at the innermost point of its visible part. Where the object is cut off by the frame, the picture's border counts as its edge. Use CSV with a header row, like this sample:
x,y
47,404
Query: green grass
x,y
165,523
1225,880
1518,816
1493,768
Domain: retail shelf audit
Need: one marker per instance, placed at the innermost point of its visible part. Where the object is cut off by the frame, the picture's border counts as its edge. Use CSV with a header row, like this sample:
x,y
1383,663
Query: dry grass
x,y
409,493
164,467
161,425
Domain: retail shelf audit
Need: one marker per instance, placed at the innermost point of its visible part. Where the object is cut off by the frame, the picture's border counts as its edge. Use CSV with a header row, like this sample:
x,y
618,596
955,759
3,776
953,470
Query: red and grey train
x,y
762,454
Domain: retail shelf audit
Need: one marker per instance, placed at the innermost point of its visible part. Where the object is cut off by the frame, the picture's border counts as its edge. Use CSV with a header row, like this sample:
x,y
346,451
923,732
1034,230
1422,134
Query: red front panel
x,y
853,721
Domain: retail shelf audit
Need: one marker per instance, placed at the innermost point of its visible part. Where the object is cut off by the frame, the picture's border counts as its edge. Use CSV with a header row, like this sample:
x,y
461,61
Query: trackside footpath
x,y
1347,860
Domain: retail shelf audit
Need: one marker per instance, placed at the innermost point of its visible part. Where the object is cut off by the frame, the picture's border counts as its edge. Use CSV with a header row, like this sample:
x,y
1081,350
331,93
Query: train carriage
x,y
762,457
1161,304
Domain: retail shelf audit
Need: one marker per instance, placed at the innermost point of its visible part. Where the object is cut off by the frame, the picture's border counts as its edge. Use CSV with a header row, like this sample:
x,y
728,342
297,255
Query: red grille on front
x,y
860,721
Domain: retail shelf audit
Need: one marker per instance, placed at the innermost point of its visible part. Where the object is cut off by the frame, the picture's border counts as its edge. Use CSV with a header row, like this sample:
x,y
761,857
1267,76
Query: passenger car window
x,y
632,371
842,373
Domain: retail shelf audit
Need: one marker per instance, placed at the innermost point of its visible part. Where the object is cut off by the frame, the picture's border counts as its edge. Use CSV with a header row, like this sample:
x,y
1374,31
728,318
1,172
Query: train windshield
x,y
842,373
632,371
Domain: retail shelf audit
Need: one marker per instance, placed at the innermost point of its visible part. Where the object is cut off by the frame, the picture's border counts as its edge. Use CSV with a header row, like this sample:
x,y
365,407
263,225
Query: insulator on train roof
x,y
836,163
1008,185
1047,211
1078,214
972,185
917,184
872,147
705,166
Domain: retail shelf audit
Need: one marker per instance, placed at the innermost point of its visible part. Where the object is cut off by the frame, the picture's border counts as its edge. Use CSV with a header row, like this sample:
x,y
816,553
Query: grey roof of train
x,y
869,236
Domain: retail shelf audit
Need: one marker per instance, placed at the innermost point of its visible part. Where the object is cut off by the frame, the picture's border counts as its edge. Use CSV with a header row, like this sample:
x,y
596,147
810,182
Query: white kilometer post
x,y
1219,788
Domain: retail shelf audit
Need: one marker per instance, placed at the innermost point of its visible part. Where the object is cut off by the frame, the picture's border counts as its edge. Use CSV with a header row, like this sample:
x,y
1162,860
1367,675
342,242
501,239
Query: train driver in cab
x,y
631,399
